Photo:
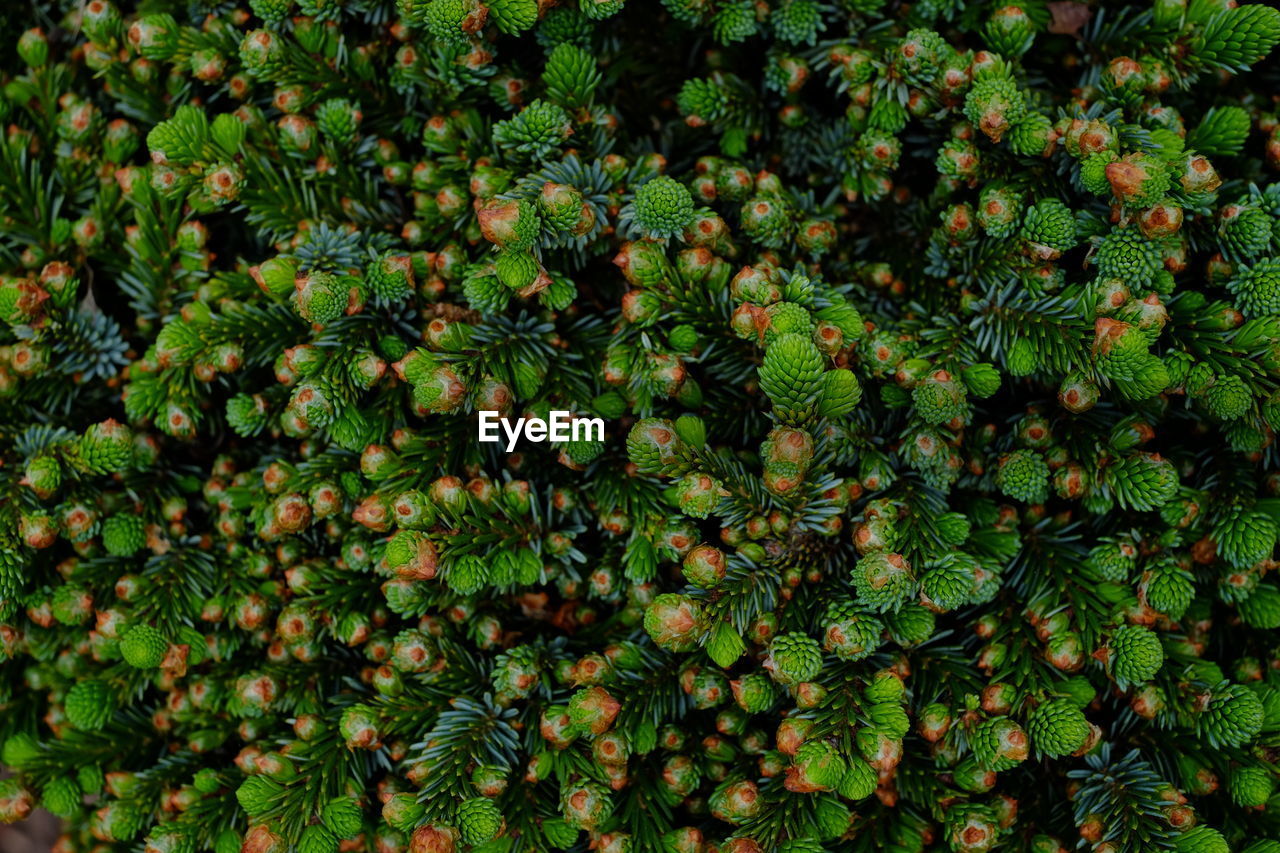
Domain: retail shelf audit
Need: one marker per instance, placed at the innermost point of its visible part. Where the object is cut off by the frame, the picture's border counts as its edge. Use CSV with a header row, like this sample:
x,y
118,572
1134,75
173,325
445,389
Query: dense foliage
x,y
938,348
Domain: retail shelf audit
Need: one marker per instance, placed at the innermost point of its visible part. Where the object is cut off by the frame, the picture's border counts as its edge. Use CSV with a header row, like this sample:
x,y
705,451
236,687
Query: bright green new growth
x,y
663,207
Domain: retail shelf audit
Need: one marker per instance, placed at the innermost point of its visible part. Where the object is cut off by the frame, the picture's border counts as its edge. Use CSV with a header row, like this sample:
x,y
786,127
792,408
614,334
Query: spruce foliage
x,y
938,348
